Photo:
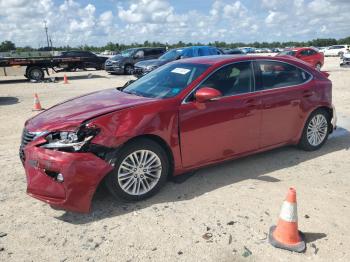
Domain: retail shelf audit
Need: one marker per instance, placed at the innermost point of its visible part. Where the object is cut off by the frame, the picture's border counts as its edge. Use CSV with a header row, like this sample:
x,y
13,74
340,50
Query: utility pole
x,y
47,36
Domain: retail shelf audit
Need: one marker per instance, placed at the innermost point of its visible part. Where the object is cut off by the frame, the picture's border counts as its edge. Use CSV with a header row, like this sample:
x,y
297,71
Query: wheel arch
x,y
326,108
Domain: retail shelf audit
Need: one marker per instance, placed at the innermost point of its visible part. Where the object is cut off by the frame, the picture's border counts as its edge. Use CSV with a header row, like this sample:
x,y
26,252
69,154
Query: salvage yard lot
x,y
221,213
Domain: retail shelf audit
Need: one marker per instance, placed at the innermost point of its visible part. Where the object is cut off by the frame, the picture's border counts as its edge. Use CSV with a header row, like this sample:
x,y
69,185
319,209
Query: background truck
x,y
34,68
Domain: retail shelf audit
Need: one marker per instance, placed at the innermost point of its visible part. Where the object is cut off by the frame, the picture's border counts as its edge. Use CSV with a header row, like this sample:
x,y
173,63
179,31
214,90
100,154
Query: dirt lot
x,y
235,203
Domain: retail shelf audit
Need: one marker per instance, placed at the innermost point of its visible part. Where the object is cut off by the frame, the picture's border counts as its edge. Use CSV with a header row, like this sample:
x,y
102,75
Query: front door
x,y
220,129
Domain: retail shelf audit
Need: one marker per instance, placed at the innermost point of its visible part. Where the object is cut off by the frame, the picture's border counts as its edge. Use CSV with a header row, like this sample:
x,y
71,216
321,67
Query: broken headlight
x,y
71,141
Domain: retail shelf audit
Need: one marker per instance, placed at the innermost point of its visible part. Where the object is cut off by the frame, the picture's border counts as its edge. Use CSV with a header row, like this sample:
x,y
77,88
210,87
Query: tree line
x,y
7,46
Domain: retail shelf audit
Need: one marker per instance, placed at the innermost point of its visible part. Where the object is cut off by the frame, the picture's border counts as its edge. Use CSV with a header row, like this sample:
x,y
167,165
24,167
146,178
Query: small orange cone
x,y
286,235
65,79
37,105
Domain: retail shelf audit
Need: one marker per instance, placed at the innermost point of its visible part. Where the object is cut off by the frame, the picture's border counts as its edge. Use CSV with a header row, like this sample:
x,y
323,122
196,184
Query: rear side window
x,y
273,74
305,52
149,52
312,52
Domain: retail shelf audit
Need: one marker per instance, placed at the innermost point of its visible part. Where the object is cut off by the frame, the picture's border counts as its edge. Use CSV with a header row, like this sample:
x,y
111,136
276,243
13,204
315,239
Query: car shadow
x,y
8,100
14,81
255,167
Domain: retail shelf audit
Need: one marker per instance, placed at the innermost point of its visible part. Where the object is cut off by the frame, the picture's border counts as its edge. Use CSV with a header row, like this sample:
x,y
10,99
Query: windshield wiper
x,y
133,93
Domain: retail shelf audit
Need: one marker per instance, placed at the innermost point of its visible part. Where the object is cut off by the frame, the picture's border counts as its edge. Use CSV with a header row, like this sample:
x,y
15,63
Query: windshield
x,y
166,81
127,52
288,52
172,54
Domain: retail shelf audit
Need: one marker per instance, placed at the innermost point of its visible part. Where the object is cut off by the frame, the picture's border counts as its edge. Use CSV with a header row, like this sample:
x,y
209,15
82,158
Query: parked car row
x,y
141,61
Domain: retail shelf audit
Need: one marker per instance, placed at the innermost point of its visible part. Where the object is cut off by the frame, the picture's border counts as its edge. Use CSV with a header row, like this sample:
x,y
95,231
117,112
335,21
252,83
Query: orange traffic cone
x,y
37,105
286,235
65,79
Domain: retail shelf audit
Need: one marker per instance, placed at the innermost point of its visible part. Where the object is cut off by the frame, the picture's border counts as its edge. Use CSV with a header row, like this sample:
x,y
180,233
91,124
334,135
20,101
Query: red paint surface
x,y
197,134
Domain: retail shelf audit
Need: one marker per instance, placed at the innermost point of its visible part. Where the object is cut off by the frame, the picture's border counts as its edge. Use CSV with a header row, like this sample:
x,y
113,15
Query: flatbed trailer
x,y
35,67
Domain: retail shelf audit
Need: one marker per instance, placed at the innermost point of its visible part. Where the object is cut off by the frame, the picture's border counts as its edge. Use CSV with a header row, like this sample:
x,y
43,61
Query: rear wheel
x,y
35,73
140,170
316,130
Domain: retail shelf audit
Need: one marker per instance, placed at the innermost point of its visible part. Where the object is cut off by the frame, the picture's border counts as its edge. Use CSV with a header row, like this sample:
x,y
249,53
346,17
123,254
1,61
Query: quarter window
x,y
232,79
273,74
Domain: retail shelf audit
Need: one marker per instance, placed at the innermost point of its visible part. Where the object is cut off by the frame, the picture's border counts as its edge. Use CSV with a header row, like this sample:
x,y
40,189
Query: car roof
x,y
300,48
217,60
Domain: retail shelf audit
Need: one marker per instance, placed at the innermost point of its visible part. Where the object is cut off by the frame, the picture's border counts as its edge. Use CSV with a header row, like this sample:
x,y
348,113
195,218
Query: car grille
x,y
27,137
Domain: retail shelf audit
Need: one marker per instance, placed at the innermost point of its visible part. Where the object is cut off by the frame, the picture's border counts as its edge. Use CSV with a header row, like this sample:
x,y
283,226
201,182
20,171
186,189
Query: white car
x,y
336,50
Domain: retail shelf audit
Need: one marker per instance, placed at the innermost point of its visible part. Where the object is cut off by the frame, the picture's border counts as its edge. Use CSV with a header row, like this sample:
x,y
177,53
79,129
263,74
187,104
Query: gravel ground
x,y
220,213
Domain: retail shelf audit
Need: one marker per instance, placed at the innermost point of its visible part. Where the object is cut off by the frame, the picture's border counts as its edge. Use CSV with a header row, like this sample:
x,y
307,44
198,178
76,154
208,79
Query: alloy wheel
x,y
139,172
317,130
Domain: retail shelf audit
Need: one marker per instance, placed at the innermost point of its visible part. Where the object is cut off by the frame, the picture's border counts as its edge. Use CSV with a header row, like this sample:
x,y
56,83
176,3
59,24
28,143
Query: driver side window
x,y
232,79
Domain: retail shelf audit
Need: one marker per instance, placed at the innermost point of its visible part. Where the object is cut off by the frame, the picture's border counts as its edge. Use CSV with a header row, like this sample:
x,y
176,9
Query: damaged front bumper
x,y
63,180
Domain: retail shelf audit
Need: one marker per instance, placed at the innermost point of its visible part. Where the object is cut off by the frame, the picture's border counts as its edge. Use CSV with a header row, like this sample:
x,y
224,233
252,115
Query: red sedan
x,y
185,115
307,54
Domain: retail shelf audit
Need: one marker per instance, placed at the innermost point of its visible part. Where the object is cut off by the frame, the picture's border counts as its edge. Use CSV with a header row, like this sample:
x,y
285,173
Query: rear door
x,y
282,88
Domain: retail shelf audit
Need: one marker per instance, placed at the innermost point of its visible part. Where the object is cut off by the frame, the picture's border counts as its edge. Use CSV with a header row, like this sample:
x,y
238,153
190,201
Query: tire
x,y
316,130
128,69
35,73
129,181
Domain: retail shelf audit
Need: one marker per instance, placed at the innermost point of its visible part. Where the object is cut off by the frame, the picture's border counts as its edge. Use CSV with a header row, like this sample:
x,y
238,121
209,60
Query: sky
x,y
80,22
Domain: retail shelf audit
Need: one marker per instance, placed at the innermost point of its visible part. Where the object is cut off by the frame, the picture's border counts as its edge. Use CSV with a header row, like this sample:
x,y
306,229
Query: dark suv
x,y
124,62
87,59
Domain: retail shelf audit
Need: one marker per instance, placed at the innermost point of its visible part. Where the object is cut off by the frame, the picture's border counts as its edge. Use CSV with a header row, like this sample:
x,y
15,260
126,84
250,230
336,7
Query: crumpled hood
x,y
152,62
73,112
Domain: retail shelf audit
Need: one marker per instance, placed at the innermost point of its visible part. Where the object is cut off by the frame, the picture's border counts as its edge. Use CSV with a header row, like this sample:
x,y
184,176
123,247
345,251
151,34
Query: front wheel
x,y
316,131
128,69
140,170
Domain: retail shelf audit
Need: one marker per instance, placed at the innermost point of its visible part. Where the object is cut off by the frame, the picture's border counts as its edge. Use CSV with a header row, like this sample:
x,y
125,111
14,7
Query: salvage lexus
x,y
182,116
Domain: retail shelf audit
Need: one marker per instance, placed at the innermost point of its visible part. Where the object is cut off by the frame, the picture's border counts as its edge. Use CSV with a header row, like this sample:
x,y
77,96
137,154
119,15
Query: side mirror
x,y
206,94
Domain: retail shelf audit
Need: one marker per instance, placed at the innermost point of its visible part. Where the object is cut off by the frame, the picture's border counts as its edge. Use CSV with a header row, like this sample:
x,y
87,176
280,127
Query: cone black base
x,y
299,247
